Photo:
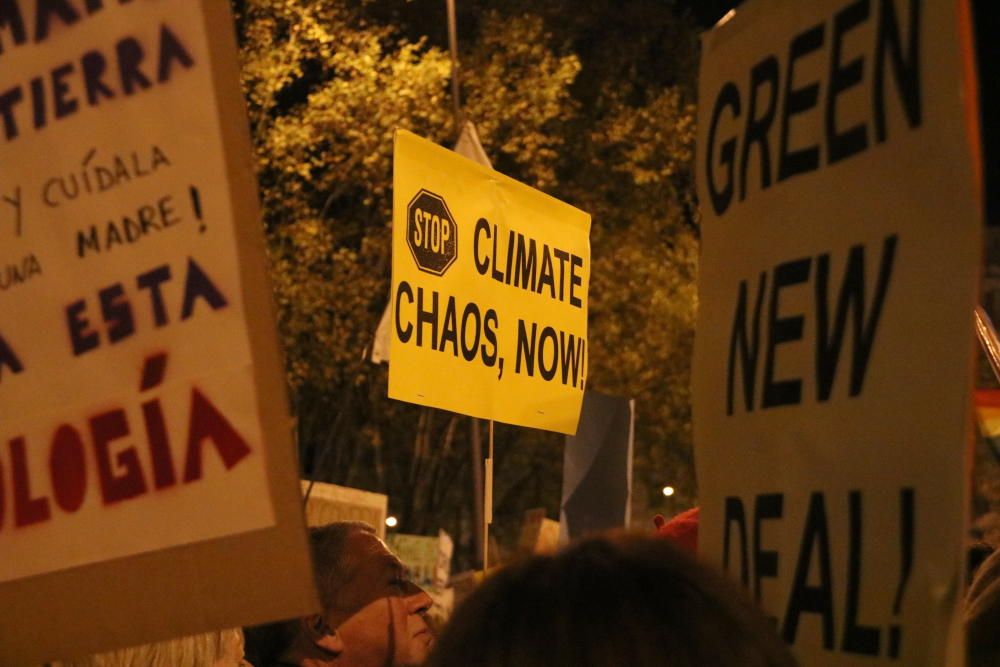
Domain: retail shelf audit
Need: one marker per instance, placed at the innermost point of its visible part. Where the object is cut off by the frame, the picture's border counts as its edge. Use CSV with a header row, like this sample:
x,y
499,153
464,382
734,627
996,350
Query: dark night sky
x,y
708,11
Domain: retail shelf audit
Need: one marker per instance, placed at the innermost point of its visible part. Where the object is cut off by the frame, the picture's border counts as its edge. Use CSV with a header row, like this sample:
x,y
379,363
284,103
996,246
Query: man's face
x,y
379,613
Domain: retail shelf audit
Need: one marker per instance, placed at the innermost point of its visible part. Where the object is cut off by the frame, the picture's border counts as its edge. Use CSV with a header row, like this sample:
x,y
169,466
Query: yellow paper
x,y
509,269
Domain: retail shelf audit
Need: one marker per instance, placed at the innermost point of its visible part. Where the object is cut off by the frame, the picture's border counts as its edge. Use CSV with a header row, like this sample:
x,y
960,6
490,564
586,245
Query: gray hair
x,y
331,565
193,651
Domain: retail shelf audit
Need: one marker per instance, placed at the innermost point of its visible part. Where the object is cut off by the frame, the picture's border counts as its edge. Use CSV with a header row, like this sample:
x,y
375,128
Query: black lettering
x,y
841,145
147,221
749,345
851,299
429,317
860,639
734,515
167,214
81,336
571,357
471,312
449,333
490,323
575,280
548,333
764,72
545,276
510,256
152,280
563,258
64,104
112,235
8,101
38,107
729,97
117,313
45,9
482,226
812,599
87,241
496,275
907,517
765,563
130,56
797,101
94,67
403,334
171,50
525,264
526,348
8,358
198,285
906,71
783,330
10,17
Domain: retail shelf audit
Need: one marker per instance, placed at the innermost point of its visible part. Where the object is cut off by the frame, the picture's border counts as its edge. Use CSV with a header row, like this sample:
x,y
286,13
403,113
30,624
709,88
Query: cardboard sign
x,y
329,503
146,468
419,553
489,292
841,245
539,534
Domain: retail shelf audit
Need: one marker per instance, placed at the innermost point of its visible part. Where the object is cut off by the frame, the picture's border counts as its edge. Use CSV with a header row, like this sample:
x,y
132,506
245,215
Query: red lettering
x,y
106,428
208,422
27,510
153,370
159,445
68,468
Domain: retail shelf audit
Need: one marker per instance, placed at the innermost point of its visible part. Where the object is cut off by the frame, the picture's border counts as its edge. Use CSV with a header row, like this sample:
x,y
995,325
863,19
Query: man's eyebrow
x,y
392,561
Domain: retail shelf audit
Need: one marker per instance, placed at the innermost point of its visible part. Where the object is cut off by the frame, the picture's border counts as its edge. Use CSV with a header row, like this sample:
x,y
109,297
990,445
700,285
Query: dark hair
x,y
607,602
975,556
332,568
982,614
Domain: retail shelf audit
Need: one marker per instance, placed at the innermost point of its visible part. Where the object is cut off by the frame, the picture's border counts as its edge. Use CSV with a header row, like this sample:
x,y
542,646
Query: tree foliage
x,y
595,108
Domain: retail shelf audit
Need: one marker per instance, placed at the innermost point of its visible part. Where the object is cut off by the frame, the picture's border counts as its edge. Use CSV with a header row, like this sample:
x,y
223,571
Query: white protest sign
x,y
141,395
841,244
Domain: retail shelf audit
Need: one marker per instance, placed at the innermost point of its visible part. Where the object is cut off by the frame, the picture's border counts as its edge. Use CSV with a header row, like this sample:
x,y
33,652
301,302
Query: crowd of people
x,y
607,601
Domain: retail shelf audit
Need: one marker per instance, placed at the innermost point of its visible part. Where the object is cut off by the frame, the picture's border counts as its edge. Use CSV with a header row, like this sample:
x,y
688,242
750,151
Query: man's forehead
x,y
368,547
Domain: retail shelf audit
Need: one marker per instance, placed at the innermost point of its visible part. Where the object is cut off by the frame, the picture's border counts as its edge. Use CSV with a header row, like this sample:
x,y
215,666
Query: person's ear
x,y
321,634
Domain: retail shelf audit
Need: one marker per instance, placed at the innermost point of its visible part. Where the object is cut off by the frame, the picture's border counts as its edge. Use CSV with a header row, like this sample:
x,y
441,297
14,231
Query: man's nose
x,y
336,642
417,600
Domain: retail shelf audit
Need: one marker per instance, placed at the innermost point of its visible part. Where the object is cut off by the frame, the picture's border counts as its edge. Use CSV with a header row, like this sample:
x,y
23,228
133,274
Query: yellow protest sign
x,y
489,292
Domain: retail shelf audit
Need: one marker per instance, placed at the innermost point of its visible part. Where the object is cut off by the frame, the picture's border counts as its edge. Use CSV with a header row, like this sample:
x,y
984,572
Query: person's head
x,y
372,614
223,648
982,614
606,602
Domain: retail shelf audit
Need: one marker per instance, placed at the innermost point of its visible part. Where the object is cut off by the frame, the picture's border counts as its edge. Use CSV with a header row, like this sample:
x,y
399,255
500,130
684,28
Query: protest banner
x,y
419,553
146,465
539,534
329,503
837,177
467,146
597,468
489,292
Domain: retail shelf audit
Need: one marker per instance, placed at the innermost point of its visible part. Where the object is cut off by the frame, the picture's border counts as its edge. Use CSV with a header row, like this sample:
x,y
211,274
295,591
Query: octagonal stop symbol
x,y
431,233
